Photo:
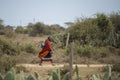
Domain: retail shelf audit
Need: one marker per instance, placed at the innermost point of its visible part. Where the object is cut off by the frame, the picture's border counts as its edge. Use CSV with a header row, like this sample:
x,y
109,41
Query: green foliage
x,y
115,18
40,28
83,31
115,76
102,22
2,30
66,76
94,77
37,76
20,76
107,75
1,27
9,76
13,72
64,70
12,75
116,67
91,51
117,40
85,51
49,78
10,34
20,29
102,52
106,27
30,77
1,77
8,48
6,62
63,74
99,31
56,29
29,48
77,72
56,74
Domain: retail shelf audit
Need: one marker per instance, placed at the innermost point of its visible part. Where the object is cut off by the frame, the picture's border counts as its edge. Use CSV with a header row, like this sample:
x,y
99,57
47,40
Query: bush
x,y
12,75
101,52
20,29
8,48
116,67
6,62
90,51
2,32
29,48
10,34
84,51
64,70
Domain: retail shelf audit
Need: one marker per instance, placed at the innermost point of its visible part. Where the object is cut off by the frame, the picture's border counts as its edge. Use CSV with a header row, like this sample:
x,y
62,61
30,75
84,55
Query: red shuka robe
x,y
45,50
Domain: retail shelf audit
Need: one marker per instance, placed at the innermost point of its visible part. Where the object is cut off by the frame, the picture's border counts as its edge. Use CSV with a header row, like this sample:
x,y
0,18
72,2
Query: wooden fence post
x,y
71,60
67,40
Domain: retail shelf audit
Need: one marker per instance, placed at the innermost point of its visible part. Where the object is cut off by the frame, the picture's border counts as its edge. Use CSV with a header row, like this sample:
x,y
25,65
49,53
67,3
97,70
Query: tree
x,y
9,31
84,31
1,27
55,28
102,22
19,29
37,29
105,27
2,30
1,22
115,19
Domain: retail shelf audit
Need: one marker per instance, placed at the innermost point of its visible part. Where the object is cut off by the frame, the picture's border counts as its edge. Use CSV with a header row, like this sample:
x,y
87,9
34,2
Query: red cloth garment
x,y
45,50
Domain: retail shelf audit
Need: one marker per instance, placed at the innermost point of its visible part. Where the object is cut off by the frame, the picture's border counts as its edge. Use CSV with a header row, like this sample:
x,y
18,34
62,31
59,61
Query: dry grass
x,y
24,39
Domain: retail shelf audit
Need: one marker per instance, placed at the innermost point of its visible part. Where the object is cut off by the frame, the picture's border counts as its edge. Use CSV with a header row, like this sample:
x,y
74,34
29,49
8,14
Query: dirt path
x,y
59,65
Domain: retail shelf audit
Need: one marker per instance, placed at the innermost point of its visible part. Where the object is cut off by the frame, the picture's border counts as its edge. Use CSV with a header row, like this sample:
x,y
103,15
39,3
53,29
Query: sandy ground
x,y
48,65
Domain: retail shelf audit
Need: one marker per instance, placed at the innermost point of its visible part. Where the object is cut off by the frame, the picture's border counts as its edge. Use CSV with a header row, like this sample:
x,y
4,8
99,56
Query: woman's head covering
x,y
50,38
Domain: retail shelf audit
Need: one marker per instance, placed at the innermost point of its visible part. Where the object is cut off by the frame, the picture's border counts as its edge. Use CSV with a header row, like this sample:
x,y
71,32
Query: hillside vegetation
x,y
96,40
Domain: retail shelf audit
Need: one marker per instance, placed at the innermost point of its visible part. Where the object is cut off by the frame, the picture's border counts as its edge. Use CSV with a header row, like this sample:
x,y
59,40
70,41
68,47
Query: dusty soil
x,y
48,65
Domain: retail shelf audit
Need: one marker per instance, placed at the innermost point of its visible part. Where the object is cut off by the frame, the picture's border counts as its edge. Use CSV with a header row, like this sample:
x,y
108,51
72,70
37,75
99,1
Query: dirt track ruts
x,y
60,65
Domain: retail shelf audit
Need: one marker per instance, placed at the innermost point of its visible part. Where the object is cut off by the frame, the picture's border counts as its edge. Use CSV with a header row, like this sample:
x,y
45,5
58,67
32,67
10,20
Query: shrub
x,y
64,70
10,34
116,67
2,32
29,48
8,48
100,52
6,62
84,51
19,29
12,75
